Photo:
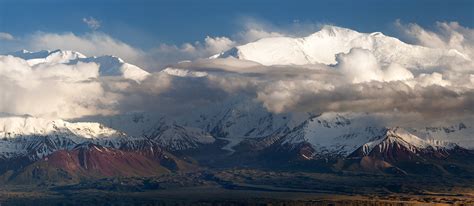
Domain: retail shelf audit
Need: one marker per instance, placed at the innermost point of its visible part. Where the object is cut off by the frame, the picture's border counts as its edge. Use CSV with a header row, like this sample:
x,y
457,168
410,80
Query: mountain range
x,y
323,46
238,131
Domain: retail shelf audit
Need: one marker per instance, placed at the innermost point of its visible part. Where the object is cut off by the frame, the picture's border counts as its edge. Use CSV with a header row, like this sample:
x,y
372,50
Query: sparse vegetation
x,y
248,187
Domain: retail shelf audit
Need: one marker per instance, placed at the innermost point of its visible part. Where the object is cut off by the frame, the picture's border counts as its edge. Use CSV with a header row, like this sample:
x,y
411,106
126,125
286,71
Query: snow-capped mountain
x,y
114,66
398,140
325,136
328,135
238,119
36,137
460,133
232,120
333,134
46,56
175,137
400,152
348,135
165,132
242,122
87,149
84,150
323,46
25,136
108,65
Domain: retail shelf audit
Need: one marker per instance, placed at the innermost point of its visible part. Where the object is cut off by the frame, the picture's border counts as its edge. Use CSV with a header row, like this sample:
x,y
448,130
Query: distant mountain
x,y
238,131
397,144
323,46
405,153
355,142
46,56
40,148
241,121
108,65
334,135
36,138
175,137
165,132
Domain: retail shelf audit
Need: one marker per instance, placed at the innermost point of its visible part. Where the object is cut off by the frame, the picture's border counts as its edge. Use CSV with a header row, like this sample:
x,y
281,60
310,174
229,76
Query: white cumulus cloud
x,y
360,65
50,90
447,35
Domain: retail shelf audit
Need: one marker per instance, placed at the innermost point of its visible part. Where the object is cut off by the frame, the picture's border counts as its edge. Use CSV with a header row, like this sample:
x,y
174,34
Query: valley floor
x,y
248,187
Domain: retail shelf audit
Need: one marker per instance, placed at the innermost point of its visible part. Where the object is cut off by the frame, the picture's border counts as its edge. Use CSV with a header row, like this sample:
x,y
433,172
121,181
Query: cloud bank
x,y
433,82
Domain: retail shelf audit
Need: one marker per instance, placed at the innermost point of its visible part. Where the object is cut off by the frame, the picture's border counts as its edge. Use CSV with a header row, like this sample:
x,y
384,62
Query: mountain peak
x,y
323,46
43,56
109,65
21,126
332,30
398,140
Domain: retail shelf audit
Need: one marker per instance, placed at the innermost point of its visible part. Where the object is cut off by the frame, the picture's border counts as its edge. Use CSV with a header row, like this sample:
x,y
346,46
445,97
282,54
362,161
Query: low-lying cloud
x,y
52,91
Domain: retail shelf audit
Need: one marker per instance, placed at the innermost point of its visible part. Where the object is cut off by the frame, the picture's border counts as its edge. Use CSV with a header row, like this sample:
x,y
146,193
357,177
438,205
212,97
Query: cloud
x,y
430,83
254,29
283,89
53,87
167,54
91,22
360,65
423,84
373,97
447,35
6,36
51,90
217,44
253,34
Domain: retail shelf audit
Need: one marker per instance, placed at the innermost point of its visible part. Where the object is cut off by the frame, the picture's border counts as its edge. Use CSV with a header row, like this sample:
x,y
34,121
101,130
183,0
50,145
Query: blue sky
x,y
145,24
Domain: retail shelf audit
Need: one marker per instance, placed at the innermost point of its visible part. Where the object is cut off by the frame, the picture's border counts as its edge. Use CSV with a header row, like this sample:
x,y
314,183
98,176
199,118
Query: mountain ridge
x,y
108,65
322,47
